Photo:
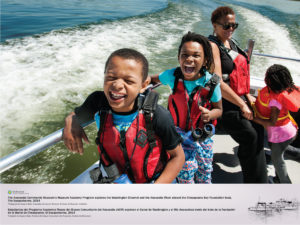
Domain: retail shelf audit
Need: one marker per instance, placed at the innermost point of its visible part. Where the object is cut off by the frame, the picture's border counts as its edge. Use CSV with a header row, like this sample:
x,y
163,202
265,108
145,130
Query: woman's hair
x,y
219,12
204,42
278,79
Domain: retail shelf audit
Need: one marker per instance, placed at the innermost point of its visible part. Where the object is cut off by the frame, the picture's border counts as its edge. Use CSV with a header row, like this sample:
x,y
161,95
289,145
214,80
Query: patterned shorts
x,y
198,162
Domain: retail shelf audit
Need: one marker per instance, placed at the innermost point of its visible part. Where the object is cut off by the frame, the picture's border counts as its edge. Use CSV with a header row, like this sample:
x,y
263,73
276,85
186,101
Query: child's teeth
x,y
116,95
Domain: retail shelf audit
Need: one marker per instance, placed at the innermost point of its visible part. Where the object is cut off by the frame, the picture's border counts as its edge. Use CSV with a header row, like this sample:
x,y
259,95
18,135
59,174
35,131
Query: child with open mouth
x,y
195,102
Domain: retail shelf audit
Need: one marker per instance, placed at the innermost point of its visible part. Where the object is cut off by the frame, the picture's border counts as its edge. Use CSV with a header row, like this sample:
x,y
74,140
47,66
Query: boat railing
x,y
24,153
275,57
250,50
32,149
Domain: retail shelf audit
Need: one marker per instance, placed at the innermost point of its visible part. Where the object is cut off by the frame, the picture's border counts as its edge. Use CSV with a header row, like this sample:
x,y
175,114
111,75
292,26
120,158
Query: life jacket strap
x,y
128,167
230,53
178,75
149,108
212,83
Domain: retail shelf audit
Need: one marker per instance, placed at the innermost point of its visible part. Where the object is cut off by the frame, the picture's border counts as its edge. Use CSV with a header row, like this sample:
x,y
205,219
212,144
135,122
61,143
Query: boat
x,y
260,207
281,204
223,143
291,204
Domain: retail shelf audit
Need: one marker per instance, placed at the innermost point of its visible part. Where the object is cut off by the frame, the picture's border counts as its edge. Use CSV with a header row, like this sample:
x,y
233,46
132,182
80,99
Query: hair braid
x,y
279,79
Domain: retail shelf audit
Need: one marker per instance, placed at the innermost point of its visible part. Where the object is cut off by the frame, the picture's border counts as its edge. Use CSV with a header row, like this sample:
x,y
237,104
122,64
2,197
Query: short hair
x,y
127,53
204,42
278,79
219,12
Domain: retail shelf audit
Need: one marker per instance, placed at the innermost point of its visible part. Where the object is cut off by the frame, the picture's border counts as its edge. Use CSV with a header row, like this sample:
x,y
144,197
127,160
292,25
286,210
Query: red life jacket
x,y
239,79
140,153
289,102
179,101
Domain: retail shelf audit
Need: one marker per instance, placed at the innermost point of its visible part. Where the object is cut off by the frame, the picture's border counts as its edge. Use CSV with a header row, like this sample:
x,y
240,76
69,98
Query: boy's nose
x,y
119,84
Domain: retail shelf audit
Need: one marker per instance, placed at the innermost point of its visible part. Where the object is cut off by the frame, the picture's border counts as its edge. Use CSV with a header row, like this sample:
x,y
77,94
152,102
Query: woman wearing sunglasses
x,y
249,135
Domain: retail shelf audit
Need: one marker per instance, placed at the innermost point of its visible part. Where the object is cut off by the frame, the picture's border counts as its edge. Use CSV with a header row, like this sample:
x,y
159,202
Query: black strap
x,y
128,167
222,47
177,74
149,107
236,44
216,41
212,83
104,108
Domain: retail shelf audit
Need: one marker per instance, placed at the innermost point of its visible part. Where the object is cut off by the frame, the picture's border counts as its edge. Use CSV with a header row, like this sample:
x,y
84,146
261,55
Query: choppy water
x,y
53,54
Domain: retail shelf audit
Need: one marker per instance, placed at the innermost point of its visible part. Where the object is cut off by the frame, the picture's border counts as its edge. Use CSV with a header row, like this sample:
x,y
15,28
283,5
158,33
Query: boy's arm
x,y
173,167
73,134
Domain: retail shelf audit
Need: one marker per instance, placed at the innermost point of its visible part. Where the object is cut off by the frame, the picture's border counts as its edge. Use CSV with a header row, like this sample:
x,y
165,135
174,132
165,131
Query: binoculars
x,y
113,176
199,134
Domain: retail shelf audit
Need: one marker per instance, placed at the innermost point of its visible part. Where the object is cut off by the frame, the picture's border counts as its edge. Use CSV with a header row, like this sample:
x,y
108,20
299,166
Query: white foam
x,y
272,39
285,6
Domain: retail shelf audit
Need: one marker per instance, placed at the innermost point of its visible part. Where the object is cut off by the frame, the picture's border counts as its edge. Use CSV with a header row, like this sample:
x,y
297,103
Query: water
x,y
53,55
275,216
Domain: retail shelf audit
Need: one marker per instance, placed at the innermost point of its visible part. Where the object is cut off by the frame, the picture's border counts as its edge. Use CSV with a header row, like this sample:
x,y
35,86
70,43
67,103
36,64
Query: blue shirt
x,y
167,78
121,122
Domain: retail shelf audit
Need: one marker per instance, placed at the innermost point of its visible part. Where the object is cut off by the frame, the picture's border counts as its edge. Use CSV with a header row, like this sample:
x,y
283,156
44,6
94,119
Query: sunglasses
x,y
228,25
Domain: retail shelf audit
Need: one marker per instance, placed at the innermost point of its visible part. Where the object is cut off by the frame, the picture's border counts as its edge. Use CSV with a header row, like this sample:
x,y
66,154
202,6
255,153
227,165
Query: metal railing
x,y
46,142
32,149
250,50
275,57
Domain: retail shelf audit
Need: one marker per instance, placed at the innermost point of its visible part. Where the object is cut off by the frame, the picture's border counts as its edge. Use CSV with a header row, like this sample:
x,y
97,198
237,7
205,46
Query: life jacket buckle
x,y
152,144
127,165
147,108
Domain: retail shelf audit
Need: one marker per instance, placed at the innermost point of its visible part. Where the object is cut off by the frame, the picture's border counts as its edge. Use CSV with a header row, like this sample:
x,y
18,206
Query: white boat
x,y
223,143
291,204
261,206
281,204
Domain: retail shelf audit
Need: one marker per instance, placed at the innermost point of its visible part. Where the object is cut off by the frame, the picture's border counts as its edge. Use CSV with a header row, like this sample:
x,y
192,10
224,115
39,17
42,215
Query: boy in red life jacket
x,y
271,109
142,141
195,101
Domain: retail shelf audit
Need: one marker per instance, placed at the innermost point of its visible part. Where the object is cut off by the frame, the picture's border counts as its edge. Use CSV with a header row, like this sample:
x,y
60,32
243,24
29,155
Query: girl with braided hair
x,y
195,101
271,109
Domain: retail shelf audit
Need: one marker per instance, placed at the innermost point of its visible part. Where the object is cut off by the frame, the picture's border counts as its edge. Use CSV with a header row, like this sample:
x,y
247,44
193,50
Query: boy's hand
x,y
73,134
205,114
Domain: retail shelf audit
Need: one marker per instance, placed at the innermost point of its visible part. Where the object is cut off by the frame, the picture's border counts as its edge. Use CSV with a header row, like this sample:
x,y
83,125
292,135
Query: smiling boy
x,y
134,133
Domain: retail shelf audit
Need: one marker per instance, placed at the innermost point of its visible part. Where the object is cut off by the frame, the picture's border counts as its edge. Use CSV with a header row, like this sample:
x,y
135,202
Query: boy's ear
x,y
145,84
